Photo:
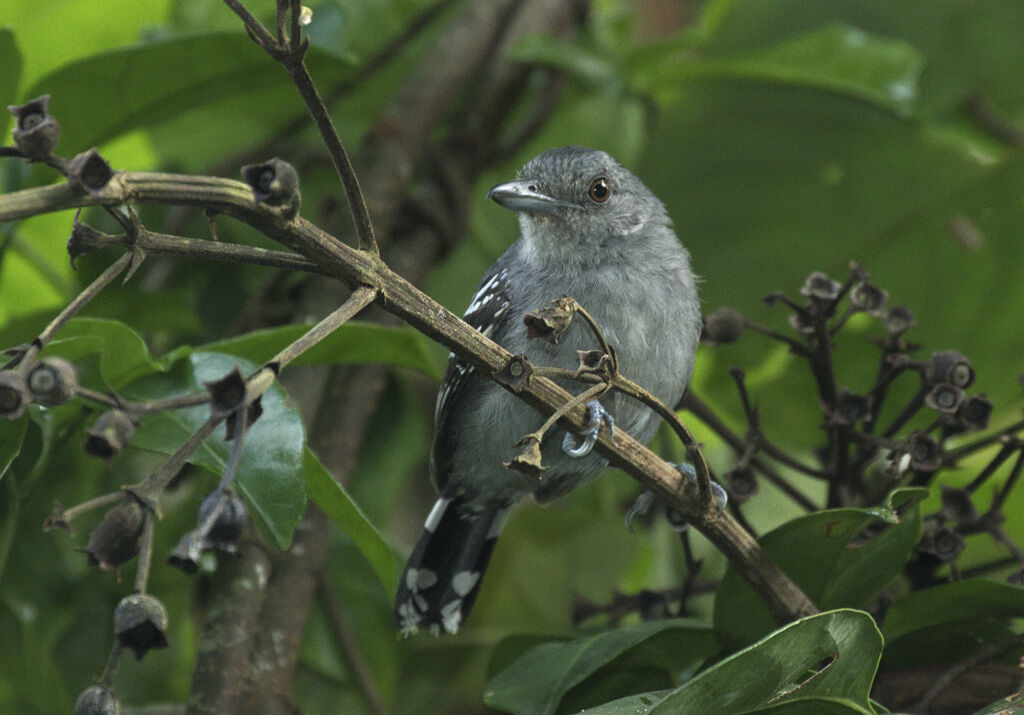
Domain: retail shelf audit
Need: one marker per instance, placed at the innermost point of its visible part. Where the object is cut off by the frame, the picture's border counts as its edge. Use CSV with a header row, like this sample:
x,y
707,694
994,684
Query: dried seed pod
x,y
742,484
140,623
89,172
35,132
115,540
851,408
228,393
228,527
275,183
549,322
868,298
944,544
97,700
112,432
52,381
974,413
945,397
14,394
925,452
958,506
820,287
898,320
949,366
723,325
802,324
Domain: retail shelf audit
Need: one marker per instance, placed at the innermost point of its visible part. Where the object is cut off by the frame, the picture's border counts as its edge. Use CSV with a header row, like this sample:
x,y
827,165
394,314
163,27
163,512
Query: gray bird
x,y
592,230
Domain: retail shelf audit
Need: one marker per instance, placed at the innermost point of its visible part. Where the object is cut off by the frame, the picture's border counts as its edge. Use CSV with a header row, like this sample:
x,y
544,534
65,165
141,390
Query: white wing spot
x,y
434,518
464,581
451,615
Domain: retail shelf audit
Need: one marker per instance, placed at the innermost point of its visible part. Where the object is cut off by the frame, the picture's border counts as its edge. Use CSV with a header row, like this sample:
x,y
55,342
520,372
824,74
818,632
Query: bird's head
x,y
575,199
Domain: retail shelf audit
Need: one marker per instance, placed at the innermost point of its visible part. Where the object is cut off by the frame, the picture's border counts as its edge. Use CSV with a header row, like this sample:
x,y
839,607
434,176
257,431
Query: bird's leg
x,y
643,503
596,414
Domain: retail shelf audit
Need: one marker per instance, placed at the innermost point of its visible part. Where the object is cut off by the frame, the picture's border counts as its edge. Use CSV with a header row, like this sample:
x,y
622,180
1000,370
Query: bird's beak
x,y
524,196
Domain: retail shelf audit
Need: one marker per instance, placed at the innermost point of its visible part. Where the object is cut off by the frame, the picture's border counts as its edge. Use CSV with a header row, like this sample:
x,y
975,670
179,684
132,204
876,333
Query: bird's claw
x,y
640,507
719,497
596,414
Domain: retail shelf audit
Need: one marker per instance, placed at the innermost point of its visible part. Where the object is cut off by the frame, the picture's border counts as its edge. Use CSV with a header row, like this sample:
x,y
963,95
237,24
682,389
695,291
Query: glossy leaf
x,y
832,655
122,352
352,343
270,472
330,496
839,557
543,675
11,435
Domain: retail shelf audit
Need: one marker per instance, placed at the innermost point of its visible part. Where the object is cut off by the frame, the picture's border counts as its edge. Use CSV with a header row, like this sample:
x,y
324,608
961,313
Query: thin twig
x,y
360,298
145,551
946,679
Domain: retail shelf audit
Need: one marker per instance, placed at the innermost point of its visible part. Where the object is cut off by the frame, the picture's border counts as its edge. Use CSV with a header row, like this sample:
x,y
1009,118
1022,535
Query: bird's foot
x,y
719,497
676,520
596,414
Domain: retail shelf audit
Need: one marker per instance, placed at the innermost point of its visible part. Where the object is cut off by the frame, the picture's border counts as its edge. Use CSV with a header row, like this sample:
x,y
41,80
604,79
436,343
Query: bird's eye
x,y
599,190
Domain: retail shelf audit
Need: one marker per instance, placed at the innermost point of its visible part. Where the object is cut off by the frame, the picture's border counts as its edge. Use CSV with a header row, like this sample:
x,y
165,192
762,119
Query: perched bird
x,y
592,230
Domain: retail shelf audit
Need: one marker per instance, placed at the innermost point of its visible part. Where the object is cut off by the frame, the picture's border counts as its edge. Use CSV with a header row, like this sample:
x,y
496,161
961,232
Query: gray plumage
x,y
592,230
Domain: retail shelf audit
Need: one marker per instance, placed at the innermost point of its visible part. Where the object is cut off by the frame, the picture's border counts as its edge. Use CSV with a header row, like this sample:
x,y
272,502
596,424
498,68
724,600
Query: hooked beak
x,y
524,196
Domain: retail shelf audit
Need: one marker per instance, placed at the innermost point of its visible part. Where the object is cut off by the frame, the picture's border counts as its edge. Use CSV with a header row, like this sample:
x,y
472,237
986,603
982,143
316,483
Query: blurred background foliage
x,y
784,137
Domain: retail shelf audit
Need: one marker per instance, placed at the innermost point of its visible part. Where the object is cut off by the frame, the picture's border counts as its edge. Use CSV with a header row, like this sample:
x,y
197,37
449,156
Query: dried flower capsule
x,y
974,413
851,408
35,132
227,528
52,381
944,544
115,540
820,287
549,322
868,298
89,172
898,320
112,432
274,182
228,393
723,325
14,394
802,323
945,398
925,452
140,623
97,700
958,506
742,484
949,366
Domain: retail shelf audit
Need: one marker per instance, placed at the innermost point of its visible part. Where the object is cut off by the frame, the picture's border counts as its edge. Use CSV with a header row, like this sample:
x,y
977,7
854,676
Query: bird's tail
x,y
443,575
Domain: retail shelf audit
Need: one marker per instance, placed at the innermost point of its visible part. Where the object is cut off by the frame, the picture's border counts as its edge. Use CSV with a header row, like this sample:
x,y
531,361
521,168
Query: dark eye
x,y
599,190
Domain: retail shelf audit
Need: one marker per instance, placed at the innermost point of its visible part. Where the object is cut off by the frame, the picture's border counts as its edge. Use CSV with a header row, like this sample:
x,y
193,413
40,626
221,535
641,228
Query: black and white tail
x,y
443,575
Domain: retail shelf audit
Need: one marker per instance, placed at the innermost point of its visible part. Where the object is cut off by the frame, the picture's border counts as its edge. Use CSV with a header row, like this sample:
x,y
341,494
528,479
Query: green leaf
x,y
835,58
333,499
839,557
153,82
123,353
1009,705
352,343
948,622
10,60
830,655
549,51
540,678
629,705
270,472
11,436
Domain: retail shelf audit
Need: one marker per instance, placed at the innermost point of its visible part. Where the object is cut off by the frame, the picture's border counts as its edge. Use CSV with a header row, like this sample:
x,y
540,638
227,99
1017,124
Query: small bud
x,y
89,172
140,623
516,373
974,413
898,320
35,132
14,394
305,16
52,381
723,325
227,529
868,298
958,506
851,408
115,540
742,484
801,323
112,432
925,452
945,398
820,287
228,393
85,238
949,366
945,544
97,700
274,182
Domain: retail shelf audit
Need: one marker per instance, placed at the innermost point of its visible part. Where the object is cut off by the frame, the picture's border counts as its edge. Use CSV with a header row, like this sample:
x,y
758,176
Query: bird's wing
x,y
487,312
